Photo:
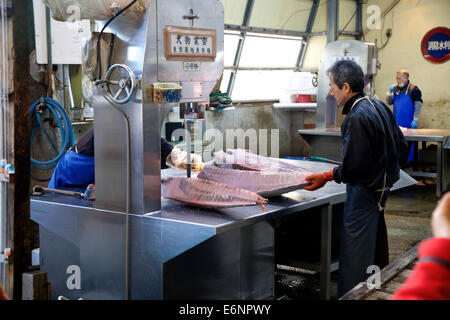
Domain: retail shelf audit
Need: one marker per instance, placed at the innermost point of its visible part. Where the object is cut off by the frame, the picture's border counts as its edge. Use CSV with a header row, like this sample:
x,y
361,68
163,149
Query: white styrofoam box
x,y
301,83
285,97
67,37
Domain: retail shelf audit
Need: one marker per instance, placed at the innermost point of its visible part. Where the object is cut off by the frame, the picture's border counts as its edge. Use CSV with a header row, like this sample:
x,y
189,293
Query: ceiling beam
x,y
278,32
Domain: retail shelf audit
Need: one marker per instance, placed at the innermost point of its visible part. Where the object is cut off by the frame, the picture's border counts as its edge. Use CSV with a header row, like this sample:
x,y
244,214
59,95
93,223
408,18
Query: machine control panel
x,y
339,58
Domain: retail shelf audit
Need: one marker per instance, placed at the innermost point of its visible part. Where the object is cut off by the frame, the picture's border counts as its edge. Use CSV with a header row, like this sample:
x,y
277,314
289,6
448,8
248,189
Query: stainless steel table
x,y
328,143
180,252
441,138
169,243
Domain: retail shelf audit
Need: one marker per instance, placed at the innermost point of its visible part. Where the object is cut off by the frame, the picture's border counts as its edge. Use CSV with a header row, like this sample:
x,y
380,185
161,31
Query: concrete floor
x,y
408,216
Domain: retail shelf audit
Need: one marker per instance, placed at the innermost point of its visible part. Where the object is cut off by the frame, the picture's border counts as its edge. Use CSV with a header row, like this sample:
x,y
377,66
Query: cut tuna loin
x,y
209,194
242,159
264,183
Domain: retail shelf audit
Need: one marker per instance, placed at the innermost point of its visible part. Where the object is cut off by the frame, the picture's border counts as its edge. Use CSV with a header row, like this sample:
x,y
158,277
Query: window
x,y
261,84
231,41
254,79
269,52
225,81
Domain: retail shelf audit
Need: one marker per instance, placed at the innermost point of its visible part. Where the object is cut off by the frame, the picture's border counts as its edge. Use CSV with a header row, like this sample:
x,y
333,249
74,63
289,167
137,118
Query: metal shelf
x,y
296,106
422,174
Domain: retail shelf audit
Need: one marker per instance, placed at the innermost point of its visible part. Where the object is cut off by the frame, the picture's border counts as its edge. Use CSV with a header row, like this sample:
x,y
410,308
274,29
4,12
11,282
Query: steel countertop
x,y
428,135
228,218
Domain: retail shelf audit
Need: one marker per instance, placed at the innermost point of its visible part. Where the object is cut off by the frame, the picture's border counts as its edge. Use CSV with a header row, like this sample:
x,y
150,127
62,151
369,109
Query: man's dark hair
x,y
347,71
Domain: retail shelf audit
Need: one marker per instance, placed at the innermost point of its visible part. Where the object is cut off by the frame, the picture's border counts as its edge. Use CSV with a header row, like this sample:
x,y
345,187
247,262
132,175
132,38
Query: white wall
x,y
410,20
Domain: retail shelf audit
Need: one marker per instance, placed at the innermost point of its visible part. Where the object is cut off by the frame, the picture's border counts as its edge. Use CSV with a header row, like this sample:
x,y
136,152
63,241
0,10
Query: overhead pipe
x,y
48,25
67,87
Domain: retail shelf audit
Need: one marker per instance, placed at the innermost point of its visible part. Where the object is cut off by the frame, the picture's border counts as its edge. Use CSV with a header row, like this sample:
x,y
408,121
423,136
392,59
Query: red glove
x,y
319,180
2,294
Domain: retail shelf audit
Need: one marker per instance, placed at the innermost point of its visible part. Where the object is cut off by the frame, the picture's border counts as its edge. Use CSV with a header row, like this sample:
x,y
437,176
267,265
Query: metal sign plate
x,y
191,66
189,44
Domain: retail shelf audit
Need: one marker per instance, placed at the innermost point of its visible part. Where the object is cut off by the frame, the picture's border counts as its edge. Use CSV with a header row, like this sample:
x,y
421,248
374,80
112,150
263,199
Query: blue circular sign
x,y
436,45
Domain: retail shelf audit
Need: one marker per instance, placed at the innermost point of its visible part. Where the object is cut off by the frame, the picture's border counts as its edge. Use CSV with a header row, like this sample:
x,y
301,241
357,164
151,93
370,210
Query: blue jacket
x,y
77,166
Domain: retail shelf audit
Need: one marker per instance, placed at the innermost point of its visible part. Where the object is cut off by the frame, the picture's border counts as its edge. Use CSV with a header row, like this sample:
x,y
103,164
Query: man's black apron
x,y
364,239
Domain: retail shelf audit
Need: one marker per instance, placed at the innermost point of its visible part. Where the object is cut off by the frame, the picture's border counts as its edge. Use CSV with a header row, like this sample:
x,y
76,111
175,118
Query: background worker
x,y
373,149
77,166
430,279
407,100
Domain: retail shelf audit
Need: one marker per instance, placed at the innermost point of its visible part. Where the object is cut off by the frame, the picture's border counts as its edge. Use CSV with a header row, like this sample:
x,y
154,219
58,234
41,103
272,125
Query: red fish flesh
x,y
209,194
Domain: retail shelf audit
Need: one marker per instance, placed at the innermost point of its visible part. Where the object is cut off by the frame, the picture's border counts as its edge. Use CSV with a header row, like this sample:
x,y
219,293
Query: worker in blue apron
x,y
73,169
77,166
373,149
407,100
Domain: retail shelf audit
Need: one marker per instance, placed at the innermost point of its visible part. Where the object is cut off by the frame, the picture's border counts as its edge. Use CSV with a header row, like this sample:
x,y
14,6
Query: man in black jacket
x,y
373,150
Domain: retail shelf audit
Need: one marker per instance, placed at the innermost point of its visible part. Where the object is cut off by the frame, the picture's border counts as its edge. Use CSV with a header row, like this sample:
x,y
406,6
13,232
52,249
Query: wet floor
x,y
408,217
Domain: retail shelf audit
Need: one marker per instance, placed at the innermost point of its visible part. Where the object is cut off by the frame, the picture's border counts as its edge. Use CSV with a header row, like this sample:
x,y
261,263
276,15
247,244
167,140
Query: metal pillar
x,y
438,169
325,254
332,20
19,236
359,19
240,47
